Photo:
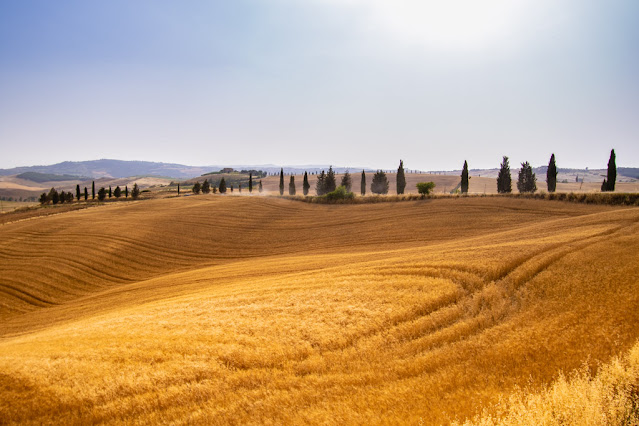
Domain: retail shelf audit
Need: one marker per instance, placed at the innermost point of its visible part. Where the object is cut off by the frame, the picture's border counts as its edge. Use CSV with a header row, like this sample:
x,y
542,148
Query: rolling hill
x,y
250,310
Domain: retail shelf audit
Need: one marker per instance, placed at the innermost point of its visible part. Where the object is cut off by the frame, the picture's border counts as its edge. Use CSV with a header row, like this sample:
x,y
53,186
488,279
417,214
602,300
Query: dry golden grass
x,y
236,310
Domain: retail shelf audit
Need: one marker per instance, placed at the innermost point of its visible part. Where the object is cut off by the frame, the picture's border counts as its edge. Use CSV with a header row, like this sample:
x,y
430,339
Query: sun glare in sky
x,y
450,24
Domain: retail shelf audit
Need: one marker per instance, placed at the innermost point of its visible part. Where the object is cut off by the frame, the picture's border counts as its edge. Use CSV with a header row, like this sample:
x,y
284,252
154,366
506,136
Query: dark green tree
x,y
118,192
135,192
363,184
239,187
86,194
291,186
464,179
110,193
53,196
43,198
379,185
231,187
250,183
260,188
330,184
178,189
527,181
69,197
611,180
281,181
401,178
504,181
62,197
320,185
196,188
305,185
222,186
77,192
551,174
347,181
206,187
126,192
102,193
93,190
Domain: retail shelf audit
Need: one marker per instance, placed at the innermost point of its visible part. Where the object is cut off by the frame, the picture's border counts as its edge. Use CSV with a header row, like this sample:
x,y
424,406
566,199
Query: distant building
x,y
227,170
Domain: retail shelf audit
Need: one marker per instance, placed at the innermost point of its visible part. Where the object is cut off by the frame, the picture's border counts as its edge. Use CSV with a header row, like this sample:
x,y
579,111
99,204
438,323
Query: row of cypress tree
x,y
206,187
55,197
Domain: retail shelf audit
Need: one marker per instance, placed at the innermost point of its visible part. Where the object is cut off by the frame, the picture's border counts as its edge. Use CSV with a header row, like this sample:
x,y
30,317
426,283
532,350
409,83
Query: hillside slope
x,y
243,310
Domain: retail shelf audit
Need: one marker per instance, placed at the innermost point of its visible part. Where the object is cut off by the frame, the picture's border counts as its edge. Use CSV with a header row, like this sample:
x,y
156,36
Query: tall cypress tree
x,y
347,181
222,186
291,186
504,181
135,192
363,184
609,183
320,185
527,181
93,190
551,174
281,181
305,185
110,191
178,189
126,192
330,184
401,178
206,187
86,194
260,186
464,179
77,192
250,183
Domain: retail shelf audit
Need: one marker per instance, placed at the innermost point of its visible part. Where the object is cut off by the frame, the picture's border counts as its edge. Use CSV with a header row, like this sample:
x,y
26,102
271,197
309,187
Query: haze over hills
x,y
109,168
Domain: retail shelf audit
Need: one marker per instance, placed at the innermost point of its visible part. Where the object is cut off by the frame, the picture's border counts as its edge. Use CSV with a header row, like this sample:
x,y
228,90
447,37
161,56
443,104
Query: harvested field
x,y
236,310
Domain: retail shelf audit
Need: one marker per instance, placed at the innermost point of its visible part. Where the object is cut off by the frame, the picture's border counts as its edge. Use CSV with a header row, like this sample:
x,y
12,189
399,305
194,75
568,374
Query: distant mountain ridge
x,y
113,169
107,168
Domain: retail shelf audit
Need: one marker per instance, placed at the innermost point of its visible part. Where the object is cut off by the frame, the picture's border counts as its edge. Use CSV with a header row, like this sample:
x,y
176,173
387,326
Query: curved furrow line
x,y
25,296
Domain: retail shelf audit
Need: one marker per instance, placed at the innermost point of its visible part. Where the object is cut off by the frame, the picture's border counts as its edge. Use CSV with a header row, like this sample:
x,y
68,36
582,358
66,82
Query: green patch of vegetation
x,y
425,188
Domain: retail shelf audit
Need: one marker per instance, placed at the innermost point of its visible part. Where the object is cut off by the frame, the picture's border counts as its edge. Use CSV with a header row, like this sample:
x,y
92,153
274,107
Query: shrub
x,y
425,188
340,193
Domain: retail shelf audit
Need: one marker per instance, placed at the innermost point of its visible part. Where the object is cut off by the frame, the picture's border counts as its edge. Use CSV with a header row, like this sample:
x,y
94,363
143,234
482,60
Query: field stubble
x,y
250,310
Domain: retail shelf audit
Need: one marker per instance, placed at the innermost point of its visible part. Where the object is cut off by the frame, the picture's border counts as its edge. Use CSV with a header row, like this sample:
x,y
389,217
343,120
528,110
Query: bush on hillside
x,y
425,188
340,193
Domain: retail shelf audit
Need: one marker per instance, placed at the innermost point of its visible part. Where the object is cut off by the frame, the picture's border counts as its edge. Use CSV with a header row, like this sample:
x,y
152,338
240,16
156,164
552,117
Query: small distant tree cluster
x,y
196,188
527,182
504,181
379,185
206,187
608,184
325,182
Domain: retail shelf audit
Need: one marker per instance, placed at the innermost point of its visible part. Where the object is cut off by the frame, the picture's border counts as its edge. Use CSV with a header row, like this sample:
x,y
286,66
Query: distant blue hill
x,y
112,168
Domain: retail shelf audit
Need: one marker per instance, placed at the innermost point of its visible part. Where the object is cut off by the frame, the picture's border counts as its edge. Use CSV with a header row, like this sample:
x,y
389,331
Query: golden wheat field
x,y
258,310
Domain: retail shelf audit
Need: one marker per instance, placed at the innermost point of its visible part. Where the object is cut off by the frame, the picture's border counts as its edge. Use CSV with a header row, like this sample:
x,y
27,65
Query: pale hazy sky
x,y
343,82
